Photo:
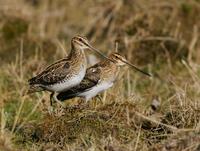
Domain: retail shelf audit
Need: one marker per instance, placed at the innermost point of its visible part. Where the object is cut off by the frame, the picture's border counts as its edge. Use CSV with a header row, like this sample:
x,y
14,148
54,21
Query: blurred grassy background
x,y
138,113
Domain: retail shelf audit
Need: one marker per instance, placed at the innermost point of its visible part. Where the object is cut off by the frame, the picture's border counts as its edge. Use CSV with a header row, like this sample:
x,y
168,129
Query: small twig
x,y
193,42
156,39
119,107
154,121
116,46
61,45
167,55
21,60
173,128
18,114
138,136
104,97
3,121
128,83
127,115
31,113
191,72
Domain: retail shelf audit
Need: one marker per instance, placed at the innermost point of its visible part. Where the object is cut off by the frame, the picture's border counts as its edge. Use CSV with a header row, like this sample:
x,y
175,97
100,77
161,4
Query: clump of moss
x,y
73,124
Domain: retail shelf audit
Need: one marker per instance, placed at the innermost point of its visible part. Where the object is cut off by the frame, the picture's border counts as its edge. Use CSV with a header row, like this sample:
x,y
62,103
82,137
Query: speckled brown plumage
x,y
60,70
98,78
105,70
63,70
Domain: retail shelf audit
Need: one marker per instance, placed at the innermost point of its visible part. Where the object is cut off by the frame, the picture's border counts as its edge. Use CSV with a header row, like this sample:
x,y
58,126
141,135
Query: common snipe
x,y
98,78
66,73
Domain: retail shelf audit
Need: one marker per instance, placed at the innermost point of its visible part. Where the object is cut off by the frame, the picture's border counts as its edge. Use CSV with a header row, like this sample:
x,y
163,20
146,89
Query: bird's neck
x,y
110,70
111,65
76,52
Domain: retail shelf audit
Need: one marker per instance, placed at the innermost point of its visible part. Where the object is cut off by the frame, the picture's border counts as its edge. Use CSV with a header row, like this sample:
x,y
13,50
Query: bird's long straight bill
x,y
137,68
123,61
100,53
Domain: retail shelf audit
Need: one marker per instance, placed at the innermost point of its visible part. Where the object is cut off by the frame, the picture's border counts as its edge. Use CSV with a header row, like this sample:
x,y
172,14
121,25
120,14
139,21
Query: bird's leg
x,y
51,98
55,99
50,108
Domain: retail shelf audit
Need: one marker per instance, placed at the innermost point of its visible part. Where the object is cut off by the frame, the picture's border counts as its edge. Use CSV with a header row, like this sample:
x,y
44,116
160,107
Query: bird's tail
x,y
34,88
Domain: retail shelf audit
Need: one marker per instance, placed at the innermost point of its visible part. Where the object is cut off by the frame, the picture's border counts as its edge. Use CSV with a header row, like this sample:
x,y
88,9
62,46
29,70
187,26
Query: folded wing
x,y
91,79
52,74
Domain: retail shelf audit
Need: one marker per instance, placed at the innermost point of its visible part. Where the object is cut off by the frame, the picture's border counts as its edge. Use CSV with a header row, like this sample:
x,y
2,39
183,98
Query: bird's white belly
x,y
68,83
95,90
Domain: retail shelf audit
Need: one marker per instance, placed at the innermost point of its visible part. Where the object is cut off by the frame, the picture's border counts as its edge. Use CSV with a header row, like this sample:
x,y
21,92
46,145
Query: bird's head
x,y
119,60
80,42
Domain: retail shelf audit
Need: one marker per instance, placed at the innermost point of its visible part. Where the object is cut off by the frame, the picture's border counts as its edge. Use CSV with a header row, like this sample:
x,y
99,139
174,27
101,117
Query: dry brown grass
x,y
138,113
